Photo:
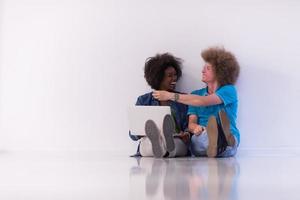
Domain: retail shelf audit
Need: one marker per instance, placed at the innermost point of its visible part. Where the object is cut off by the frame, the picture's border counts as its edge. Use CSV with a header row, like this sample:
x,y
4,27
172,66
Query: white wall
x,y
69,69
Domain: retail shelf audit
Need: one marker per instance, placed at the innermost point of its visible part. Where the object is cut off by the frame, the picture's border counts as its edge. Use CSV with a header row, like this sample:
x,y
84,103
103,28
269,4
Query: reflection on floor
x,y
185,178
94,175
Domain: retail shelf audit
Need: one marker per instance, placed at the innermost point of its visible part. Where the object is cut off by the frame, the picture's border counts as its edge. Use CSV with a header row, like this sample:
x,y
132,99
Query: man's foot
x,y
225,123
168,130
156,140
212,133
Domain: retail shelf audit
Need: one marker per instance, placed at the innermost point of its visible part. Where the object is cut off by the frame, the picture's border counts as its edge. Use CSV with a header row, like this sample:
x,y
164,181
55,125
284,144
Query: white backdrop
x,y
69,69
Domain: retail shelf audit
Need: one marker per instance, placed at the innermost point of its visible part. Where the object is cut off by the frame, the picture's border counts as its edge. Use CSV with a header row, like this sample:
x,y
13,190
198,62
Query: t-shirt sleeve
x,y
192,110
227,94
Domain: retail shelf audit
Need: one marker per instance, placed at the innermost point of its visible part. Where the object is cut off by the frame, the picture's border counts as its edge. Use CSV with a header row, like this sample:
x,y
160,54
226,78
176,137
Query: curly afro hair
x,y
224,64
155,68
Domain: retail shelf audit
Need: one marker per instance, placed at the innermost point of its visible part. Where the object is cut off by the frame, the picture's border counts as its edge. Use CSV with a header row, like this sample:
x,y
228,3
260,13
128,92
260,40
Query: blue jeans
x,y
199,144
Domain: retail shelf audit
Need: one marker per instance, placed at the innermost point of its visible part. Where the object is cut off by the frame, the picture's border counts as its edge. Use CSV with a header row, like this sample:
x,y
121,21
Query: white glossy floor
x,y
90,175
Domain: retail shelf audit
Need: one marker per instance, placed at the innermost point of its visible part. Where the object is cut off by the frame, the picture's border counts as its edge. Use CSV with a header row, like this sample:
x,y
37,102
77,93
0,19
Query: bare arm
x,y
188,99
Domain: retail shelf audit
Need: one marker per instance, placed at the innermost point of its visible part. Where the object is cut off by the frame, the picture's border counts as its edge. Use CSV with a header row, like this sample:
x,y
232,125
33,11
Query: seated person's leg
x,y
168,131
146,147
230,150
225,123
180,148
199,144
156,140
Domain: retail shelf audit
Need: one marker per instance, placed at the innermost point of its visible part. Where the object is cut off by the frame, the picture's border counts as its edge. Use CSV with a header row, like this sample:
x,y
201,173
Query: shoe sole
x,y
154,136
168,130
212,133
225,123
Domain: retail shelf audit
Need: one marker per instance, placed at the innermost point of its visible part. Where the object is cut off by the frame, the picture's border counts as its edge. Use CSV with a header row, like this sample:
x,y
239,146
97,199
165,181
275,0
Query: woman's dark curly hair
x,y
224,64
155,67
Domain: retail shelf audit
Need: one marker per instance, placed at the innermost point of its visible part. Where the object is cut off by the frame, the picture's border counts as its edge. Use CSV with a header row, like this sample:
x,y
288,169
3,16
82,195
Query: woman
x,y
161,73
213,109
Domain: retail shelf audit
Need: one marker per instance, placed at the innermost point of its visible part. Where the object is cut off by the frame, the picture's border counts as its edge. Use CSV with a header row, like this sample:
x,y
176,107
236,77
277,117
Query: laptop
x,y
138,115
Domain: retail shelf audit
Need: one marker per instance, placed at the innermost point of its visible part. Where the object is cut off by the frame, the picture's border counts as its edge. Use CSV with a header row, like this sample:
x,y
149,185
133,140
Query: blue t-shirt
x,y
228,95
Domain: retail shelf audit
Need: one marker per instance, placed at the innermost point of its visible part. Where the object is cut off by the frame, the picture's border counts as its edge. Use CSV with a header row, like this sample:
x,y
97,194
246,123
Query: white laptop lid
x,y
138,115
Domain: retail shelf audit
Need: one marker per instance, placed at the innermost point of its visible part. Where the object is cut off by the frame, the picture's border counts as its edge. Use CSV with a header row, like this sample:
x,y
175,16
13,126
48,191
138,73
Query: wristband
x,y
176,97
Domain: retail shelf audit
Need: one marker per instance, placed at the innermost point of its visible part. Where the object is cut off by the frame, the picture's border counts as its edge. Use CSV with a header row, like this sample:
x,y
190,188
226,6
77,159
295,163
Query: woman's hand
x,y
162,95
185,136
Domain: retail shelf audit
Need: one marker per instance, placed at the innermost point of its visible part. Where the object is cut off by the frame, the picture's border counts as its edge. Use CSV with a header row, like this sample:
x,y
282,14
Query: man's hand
x,y
197,130
162,95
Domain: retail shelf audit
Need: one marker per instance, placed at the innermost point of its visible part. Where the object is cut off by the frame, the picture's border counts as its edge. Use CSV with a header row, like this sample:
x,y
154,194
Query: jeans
x,y
199,144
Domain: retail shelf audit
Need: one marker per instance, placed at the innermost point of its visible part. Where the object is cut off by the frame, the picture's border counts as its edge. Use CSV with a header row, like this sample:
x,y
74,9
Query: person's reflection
x,y
184,178
214,179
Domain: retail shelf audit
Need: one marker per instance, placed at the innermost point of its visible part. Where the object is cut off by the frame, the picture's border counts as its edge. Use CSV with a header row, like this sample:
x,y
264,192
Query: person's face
x,y
169,81
208,73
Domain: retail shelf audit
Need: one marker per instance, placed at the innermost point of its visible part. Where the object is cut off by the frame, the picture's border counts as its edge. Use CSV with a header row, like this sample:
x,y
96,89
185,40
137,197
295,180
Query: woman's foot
x,y
154,136
168,130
